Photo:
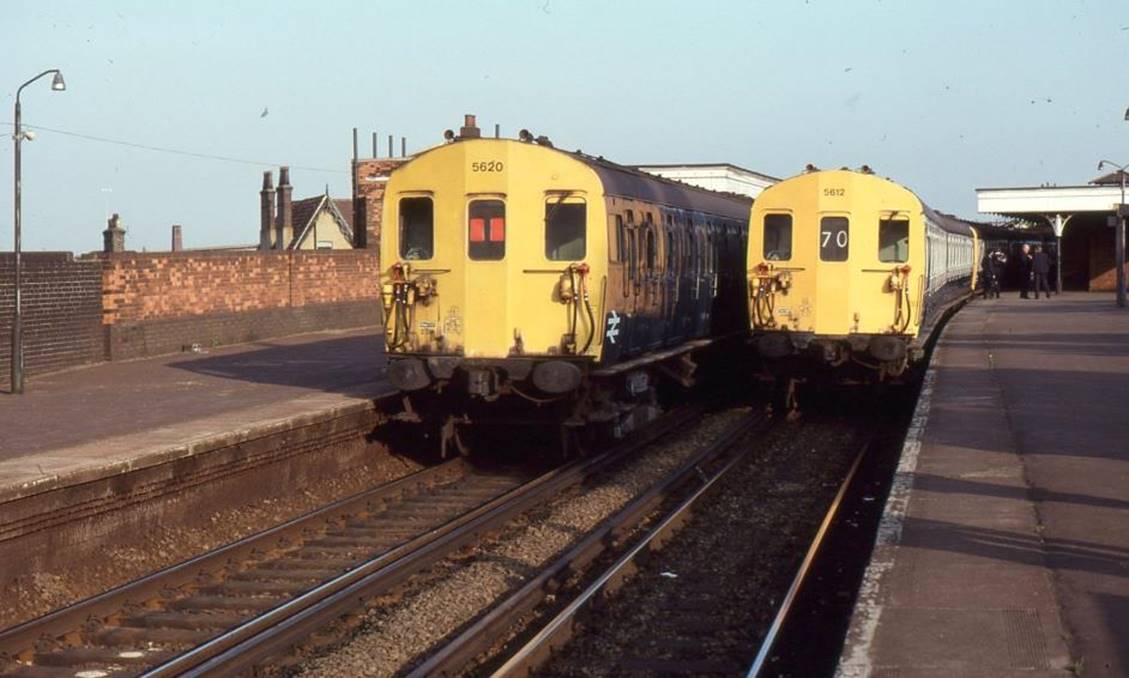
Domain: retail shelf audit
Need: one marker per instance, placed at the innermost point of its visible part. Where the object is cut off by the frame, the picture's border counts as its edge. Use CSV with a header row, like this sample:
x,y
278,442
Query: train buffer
x,y
1004,546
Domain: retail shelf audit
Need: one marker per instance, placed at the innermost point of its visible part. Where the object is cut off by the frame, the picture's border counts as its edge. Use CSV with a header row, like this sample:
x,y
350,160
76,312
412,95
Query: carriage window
x,y
692,241
651,249
778,237
486,225
620,240
893,240
834,236
417,229
566,224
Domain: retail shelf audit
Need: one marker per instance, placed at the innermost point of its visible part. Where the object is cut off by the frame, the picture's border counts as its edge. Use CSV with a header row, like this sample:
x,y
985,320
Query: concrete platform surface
x,y
1004,549
73,426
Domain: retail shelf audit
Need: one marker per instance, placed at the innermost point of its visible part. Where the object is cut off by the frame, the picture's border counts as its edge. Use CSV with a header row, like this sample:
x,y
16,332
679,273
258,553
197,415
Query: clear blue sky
x,y
943,96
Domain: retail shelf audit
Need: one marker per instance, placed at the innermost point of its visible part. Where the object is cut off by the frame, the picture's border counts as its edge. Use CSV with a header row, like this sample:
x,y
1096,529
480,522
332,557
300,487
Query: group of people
x,y
1034,272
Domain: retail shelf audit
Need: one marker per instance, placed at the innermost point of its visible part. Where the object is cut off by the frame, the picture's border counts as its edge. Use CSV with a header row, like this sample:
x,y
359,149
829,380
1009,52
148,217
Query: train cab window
x,y
893,240
834,238
417,229
566,228
486,226
778,237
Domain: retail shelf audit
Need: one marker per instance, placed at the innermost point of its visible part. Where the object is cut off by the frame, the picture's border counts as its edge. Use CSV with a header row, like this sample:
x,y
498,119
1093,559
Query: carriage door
x,y
670,279
632,287
487,300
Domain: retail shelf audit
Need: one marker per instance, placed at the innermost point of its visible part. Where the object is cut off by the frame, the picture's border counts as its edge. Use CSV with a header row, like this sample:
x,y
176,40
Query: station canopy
x,y
1077,217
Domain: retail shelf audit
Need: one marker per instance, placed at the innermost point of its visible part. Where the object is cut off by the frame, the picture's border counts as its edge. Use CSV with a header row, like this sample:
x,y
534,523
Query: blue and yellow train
x,y
850,275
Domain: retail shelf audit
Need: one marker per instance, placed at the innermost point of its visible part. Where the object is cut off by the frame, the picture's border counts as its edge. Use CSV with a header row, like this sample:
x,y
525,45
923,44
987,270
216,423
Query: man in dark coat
x,y
1041,268
994,263
1026,274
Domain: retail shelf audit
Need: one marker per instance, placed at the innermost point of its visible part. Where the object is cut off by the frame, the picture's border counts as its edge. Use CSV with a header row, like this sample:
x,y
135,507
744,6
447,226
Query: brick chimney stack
x,y
266,212
284,220
177,238
113,238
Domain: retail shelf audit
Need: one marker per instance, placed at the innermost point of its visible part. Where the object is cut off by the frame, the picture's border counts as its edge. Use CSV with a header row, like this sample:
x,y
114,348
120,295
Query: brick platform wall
x,y
129,305
163,302
62,312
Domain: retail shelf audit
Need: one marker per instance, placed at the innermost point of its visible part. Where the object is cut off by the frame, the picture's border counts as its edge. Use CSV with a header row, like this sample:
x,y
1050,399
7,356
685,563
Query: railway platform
x,y
97,455
1004,546
73,426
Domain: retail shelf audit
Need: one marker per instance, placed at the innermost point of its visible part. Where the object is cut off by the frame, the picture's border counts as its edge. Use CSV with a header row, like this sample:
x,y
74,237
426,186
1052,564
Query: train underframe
x,y
452,397
791,359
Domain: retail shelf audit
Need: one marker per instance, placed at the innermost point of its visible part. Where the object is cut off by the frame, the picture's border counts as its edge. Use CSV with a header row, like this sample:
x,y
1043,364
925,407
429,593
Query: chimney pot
x,y
266,212
113,238
284,220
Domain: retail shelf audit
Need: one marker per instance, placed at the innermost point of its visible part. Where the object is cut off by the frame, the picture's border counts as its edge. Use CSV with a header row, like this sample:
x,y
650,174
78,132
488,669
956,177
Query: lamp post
x,y
19,135
1119,232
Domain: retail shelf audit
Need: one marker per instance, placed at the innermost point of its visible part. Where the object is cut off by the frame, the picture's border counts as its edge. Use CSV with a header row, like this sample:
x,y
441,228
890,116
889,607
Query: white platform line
x,y
854,662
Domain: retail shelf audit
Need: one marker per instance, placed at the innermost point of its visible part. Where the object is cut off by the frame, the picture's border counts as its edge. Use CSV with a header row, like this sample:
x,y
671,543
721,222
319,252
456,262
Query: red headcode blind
x,y
478,230
497,229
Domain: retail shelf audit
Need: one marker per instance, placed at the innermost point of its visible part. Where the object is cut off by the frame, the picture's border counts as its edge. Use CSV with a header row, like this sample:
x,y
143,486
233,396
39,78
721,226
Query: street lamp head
x,y
1101,165
1127,113
58,84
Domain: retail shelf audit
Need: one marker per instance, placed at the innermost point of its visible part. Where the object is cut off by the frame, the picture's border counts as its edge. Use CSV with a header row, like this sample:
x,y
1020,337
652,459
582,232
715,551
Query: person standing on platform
x,y
993,270
1026,273
1041,270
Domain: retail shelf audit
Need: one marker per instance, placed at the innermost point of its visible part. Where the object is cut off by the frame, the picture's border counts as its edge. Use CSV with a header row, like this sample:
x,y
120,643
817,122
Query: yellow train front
x,y
519,280
849,274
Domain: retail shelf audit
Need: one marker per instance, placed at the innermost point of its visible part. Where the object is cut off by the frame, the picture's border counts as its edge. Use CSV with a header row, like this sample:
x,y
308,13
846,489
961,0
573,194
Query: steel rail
x,y
16,639
478,638
289,623
534,652
801,574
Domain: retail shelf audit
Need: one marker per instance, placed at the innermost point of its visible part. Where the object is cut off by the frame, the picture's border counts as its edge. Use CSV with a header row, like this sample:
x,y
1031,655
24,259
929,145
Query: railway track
x,y
232,608
679,629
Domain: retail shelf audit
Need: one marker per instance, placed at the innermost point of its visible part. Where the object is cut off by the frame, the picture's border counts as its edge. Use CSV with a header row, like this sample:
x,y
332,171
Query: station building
x,y
1077,217
724,177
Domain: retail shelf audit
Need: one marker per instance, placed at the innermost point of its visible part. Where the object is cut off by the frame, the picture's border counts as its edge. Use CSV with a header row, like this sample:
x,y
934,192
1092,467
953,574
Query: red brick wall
x,y
1103,274
62,312
126,305
138,287
163,302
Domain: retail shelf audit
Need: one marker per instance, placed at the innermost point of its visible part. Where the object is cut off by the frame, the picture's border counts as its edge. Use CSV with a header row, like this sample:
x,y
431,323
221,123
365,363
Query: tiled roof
x,y
1113,178
306,212
345,207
